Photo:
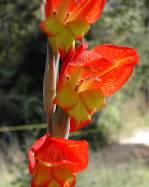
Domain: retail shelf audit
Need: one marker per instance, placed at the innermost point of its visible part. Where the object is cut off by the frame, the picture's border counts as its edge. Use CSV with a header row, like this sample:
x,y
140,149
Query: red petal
x,y
75,126
31,161
70,59
61,151
59,175
35,147
110,66
64,176
105,68
78,58
121,63
51,6
90,10
55,5
39,143
42,176
113,53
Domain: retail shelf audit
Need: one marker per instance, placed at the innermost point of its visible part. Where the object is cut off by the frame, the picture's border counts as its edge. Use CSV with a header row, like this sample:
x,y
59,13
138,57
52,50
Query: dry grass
x,y
117,166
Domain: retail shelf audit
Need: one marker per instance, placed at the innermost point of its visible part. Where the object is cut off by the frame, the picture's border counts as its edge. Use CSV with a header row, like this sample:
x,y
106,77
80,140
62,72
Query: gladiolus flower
x,y
88,77
68,20
54,162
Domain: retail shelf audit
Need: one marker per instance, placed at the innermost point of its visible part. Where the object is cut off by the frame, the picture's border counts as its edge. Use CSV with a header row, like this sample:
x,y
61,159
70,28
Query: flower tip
x,y
58,161
75,125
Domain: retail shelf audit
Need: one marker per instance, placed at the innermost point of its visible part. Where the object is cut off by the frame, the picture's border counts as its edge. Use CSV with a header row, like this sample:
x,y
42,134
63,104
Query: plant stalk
x,y
57,120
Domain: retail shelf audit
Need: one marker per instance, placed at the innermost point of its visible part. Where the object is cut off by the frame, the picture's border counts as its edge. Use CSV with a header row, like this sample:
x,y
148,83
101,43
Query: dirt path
x,y
140,136
126,150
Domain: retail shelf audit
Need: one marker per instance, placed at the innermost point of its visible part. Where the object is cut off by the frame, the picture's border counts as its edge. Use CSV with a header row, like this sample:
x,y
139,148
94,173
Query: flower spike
x,y
69,20
89,77
54,162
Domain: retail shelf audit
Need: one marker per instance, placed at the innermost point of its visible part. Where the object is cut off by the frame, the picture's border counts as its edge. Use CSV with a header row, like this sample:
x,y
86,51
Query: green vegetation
x,y
118,176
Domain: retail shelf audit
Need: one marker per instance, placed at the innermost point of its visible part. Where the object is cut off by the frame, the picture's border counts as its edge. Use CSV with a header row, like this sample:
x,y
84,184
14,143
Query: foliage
x,y
109,121
21,63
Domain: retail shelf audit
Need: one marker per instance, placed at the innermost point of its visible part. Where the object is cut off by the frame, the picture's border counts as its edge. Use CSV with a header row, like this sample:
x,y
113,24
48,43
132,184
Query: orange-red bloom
x,y
54,162
90,76
68,20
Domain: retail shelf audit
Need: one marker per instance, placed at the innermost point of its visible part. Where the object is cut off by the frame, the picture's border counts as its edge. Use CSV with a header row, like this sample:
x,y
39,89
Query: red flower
x,y
90,76
53,162
67,20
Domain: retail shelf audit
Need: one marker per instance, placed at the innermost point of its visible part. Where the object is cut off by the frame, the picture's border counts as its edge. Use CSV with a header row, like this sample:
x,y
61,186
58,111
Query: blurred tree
x,y
22,61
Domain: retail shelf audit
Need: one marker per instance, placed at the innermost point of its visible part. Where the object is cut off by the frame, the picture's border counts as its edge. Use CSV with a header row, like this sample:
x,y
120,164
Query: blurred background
x,y
119,135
